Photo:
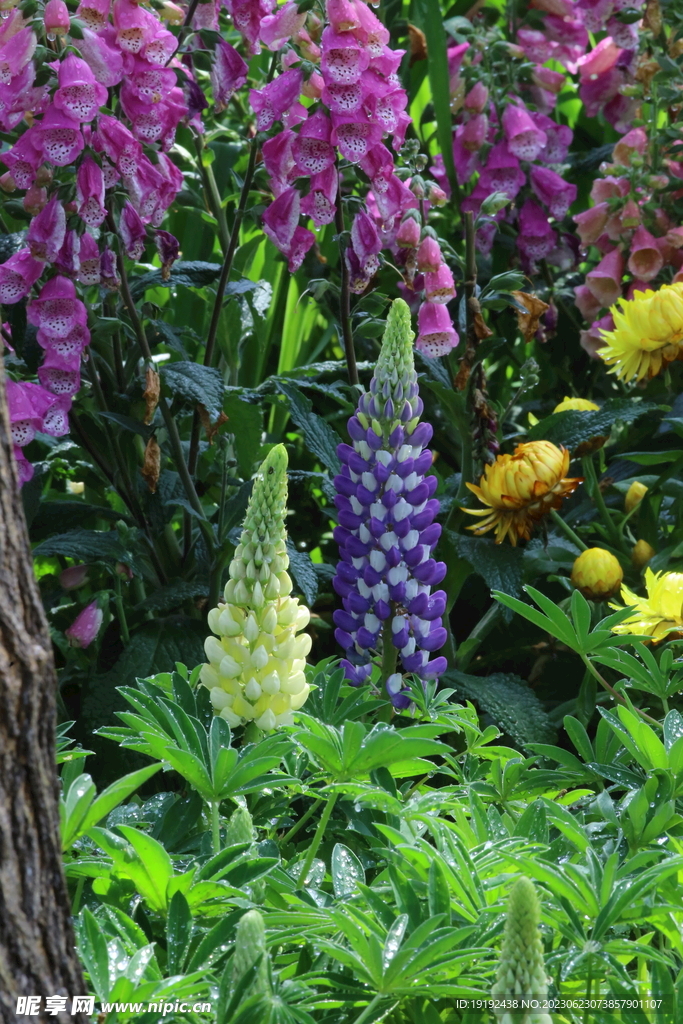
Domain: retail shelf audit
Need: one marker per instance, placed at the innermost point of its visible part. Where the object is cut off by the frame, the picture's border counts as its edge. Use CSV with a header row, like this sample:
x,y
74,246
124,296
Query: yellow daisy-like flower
x,y
521,488
647,335
660,614
579,404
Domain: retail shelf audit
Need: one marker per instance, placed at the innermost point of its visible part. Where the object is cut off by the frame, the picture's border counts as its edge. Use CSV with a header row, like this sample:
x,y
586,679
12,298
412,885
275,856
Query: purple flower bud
x,y
85,626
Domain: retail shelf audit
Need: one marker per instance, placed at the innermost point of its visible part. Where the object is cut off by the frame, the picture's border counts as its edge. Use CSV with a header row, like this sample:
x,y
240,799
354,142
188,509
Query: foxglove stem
x,y
212,194
345,295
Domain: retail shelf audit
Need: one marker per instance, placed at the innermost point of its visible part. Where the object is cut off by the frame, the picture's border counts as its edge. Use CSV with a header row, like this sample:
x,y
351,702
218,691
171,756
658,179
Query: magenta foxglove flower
x,y
18,274
586,303
429,257
109,275
60,137
321,202
271,102
439,285
311,147
118,144
605,280
79,94
553,191
408,234
24,158
466,161
592,340
502,172
366,243
24,468
46,231
279,161
229,73
525,140
536,238
85,627
53,410
302,241
59,375
57,21
68,258
247,16
133,233
645,260
386,532
436,334
558,139
634,142
24,418
89,271
90,192
104,59
281,218
15,53
73,577
590,224
70,345
168,248
57,311
278,28
474,133
477,98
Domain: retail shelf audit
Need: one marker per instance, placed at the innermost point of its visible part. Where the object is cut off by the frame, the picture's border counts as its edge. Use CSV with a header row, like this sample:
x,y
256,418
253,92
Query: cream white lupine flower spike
x,y
256,666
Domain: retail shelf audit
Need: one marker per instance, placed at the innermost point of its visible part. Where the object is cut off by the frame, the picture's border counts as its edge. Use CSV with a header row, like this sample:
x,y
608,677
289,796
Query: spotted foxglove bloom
x,y
386,532
256,666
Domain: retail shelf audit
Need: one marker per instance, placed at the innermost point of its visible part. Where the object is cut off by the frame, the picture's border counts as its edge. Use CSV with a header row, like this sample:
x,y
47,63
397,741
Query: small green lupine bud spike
x,y
395,379
250,944
264,526
521,972
240,828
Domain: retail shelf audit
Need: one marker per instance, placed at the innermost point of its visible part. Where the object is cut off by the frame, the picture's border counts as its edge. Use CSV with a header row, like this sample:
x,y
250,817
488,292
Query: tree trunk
x,y
37,956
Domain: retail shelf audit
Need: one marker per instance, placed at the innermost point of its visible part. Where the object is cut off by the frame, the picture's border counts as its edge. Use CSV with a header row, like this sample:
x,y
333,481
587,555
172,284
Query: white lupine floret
x,y
422,627
411,481
229,667
356,506
228,715
364,534
377,560
412,589
250,628
364,451
295,683
271,684
385,457
397,574
213,650
397,623
394,682
354,476
259,657
394,483
269,620
363,589
404,452
371,622
388,540
380,592
252,690
401,510
378,511
409,647
358,563
410,540
369,481
209,677
267,721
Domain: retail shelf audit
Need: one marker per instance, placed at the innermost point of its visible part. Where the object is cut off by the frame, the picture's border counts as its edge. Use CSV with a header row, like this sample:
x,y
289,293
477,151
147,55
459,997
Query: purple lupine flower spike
x,y
386,532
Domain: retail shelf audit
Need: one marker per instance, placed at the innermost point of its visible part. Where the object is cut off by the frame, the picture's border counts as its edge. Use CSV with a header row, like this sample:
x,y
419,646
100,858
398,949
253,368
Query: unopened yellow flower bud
x,y
597,574
641,554
634,495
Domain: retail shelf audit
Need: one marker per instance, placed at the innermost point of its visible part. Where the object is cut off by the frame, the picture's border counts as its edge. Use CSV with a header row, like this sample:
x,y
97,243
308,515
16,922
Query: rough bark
x,y
37,955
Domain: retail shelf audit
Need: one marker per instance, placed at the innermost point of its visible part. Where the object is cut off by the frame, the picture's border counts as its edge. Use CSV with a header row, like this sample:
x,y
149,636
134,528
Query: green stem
x,y
287,838
213,195
317,839
567,530
215,827
389,652
169,421
614,694
345,293
118,601
369,1009
596,494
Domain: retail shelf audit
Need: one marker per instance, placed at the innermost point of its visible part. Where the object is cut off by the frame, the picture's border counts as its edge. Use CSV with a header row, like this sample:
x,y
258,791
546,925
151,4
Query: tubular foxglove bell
x,y
256,668
386,531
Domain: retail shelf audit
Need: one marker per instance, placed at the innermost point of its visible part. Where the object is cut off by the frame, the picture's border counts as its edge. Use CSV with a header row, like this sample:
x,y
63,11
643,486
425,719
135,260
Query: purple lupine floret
x,y
386,532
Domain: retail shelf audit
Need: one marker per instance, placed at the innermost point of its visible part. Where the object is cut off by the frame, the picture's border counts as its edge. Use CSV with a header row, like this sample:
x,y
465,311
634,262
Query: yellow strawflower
x,y
597,574
660,614
634,494
647,335
641,554
521,488
256,667
579,404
